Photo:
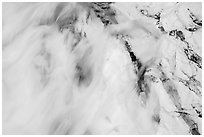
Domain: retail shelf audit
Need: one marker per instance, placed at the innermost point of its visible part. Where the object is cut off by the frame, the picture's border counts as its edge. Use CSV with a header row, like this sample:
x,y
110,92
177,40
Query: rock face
x,y
102,68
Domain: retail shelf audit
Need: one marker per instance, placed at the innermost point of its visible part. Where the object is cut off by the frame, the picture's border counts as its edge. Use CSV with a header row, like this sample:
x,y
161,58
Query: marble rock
x,y
102,68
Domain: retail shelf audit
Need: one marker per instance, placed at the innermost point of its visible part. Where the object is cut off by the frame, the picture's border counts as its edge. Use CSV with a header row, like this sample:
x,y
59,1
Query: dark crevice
x,y
193,126
178,34
136,62
198,109
134,59
142,86
195,131
170,89
192,84
172,33
190,54
156,118
196,25
139,70
195,19
192,29
182,113
173,93
156,17
191,87
104,11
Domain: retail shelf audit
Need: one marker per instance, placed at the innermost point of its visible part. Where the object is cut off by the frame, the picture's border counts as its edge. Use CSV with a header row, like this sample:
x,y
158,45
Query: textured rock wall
x,y
102,68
